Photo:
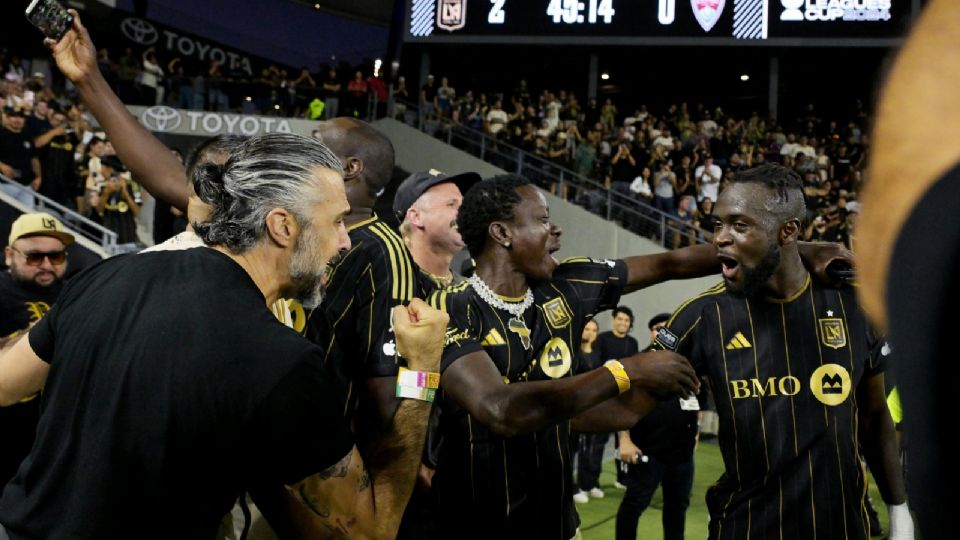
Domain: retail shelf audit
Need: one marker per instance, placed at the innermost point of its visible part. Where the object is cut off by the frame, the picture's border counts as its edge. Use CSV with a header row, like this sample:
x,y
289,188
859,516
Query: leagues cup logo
x,y
139,31
161,119
707,12
451,14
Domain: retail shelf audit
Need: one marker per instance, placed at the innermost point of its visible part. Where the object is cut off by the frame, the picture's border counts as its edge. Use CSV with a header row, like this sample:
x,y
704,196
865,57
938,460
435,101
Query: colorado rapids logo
x,y
451,14
707,12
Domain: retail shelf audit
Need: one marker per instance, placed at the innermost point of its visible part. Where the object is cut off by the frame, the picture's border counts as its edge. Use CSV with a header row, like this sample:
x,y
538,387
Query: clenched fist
x,y
419,329
663,373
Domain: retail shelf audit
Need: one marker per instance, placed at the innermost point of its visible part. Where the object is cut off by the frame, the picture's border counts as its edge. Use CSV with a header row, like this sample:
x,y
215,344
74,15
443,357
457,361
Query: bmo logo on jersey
x,y
830,384
773,386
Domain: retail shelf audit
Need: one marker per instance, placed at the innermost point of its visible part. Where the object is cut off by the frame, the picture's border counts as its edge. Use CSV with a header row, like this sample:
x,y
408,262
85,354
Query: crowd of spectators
x,y
674,160
642,168
48,146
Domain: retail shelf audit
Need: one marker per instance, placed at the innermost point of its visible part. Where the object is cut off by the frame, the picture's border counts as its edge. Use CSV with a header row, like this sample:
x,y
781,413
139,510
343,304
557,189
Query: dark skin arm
x,y
148,159
698,261
474,382
618,414
878,438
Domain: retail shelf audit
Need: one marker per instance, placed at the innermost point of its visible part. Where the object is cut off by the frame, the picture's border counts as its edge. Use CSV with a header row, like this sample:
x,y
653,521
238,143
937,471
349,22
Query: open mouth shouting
x,y
730,266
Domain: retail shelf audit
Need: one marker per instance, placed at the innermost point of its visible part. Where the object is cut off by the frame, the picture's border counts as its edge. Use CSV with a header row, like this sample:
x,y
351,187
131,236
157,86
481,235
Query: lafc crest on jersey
x,y
832,332
557,313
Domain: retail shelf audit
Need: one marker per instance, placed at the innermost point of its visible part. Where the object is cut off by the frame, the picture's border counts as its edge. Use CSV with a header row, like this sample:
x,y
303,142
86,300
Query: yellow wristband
x,y
619,374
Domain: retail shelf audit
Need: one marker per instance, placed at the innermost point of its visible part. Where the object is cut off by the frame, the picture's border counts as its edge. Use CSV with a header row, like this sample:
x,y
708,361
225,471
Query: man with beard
x,y
37,259
144,415
799,389
510,396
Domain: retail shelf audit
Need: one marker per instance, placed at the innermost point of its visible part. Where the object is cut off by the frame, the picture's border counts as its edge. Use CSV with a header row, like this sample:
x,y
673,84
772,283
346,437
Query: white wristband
x,y
901,522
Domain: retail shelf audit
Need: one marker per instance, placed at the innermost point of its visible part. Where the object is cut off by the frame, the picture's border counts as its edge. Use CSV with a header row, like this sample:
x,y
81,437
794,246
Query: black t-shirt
x,y
623,171
20,306
58,168
785,374
667,433
429,92
16,150
171,388
518,487
611,347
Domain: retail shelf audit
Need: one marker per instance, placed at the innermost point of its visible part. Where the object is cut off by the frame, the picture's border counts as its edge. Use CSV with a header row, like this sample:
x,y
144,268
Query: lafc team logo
x,y
830,384
451,14
555,360
832,333
558,314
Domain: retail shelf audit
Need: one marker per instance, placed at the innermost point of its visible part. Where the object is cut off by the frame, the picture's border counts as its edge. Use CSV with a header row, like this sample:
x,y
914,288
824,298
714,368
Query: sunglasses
x,y
36,258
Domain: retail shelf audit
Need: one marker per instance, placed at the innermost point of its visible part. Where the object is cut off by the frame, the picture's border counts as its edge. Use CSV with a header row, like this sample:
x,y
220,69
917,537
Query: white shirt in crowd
x,y
709,181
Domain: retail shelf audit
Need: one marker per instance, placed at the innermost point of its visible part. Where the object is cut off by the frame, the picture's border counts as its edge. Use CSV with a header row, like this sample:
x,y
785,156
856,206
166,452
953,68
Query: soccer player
x,y
798,390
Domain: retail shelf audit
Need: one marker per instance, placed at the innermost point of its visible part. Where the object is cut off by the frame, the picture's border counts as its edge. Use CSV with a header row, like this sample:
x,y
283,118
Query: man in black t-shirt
x,y
658,451
612,345
37,261
18,160
55,147
178,421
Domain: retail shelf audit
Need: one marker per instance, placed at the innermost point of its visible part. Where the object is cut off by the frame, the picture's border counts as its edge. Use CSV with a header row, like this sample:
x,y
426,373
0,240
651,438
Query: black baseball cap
x,y
13,110
418,183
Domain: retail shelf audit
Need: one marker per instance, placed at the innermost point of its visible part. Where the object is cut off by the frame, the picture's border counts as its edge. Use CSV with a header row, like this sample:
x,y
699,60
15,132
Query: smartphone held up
x,y
50,17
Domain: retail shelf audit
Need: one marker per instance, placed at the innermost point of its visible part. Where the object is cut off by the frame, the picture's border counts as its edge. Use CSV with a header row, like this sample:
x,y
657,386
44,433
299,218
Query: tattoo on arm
x,y
310,501
338,470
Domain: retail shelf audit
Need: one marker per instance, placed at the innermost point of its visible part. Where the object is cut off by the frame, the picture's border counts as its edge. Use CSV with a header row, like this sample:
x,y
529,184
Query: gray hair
x,y
266,172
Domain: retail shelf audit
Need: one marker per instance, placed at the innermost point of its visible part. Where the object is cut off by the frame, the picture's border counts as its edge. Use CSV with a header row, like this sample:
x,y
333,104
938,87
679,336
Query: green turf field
x,y
597,518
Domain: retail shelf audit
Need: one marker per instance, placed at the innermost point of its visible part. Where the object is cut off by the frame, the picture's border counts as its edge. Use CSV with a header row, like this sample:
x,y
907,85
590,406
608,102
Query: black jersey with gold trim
x,y
785,375
518,487
353,323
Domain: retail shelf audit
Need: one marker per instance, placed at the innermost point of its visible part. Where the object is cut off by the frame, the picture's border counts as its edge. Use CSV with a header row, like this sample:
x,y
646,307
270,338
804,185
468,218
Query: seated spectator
x,y
18,159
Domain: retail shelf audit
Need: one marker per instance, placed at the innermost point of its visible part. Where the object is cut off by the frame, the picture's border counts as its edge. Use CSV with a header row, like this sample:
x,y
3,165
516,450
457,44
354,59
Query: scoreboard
x,y
831,23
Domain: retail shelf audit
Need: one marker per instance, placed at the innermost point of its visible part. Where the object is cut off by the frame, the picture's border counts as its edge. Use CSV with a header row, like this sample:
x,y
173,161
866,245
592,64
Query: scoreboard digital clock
x,y
662,22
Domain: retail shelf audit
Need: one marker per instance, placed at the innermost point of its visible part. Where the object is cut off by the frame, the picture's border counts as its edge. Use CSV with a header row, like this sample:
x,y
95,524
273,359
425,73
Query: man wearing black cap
x,y
427,204
18,160
56,144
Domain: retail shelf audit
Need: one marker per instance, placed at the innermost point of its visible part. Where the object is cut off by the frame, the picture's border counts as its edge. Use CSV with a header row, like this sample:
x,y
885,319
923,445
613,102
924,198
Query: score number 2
x,y
497,14
569,11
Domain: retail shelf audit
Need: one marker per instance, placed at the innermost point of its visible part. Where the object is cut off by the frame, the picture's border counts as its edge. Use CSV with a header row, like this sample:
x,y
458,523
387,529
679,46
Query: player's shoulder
x,y
453,298
375,242
707,298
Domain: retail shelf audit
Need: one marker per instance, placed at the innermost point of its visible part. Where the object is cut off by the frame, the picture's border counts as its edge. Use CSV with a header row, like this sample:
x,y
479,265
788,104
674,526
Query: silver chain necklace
x,y
516,323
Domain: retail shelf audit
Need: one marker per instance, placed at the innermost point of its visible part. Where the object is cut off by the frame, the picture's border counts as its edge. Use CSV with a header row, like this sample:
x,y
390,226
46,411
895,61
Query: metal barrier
x,y
77,223
628,210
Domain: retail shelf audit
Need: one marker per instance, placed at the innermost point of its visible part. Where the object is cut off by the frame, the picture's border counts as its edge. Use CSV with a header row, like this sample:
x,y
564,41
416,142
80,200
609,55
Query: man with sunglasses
x,y
37,259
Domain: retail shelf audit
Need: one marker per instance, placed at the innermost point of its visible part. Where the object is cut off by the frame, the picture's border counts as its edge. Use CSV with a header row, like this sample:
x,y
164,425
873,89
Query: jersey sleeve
x,y
598,282
681,334
880,354
463,330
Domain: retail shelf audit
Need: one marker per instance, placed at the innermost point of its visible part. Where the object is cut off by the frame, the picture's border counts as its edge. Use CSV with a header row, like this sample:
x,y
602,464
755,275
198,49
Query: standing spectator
x,y
216,98
357,89
587,357
38,122
150,78
584,157
445,96
127,70
182,83
608,115
658,451
401,96
686,184
496,119
665,189
36,258
428,99
119,200
55,150
616,344
708,178
331,90
18,160
378,89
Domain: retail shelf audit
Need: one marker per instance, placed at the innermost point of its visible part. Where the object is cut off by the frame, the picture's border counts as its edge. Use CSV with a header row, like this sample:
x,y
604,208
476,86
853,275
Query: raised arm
x,y
365,497
510,409
148,158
